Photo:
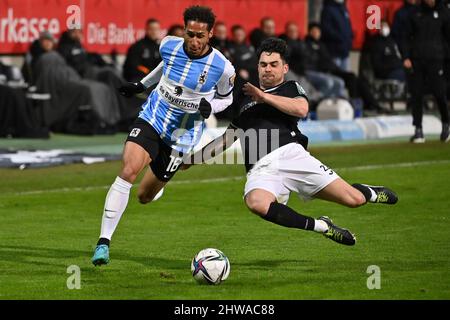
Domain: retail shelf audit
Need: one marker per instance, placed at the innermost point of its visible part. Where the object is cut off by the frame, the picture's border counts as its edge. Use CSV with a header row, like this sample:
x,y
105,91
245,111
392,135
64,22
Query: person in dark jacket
x,y
296,48
399,27
424,50
242,55
45,43
319,65
72,50
143,56
243,58
447,56
319,59
385,56
266,30
337,31
220,40
399,24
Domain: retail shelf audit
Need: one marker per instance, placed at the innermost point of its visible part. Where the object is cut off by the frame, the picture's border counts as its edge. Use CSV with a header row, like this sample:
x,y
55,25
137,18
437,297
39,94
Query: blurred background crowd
x,y
62,87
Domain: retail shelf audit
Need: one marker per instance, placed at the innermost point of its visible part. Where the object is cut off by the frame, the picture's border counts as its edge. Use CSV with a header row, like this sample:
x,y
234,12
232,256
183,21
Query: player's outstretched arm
x,y
220,103
154,76
212,149
224,90
297,107
130,88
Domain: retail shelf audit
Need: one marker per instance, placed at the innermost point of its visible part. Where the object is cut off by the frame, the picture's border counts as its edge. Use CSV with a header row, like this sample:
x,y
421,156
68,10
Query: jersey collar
x,y
274,88
194,57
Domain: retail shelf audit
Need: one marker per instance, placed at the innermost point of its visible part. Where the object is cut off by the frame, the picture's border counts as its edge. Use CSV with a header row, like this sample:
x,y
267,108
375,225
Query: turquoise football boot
x,y
101,255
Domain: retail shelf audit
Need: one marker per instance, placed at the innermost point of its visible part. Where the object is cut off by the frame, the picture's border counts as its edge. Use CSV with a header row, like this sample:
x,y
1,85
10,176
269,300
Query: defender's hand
x,y
129,89
255,93
205,108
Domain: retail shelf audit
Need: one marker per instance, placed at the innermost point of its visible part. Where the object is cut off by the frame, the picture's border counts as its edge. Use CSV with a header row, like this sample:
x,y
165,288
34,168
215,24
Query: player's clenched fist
x,y
255,93
205,108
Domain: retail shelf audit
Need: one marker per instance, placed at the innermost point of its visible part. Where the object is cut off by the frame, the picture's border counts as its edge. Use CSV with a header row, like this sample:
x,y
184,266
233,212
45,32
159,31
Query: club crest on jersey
x,y
135,132
178,91
202,78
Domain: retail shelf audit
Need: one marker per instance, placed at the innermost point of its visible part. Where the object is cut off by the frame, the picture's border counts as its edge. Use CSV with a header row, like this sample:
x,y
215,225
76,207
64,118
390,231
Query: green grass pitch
x,y
50,220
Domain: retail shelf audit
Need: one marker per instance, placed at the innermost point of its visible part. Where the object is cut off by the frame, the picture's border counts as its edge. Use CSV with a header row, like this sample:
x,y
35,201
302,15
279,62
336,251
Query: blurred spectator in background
x,y
91,66
176,30
219,39
399,24
266,30
243,58
319,59
297,64
242,55
45,43
143,56
17,115
446,6
399,29
295,47
386,59
71,49
424,49
319,65
337,32
77,105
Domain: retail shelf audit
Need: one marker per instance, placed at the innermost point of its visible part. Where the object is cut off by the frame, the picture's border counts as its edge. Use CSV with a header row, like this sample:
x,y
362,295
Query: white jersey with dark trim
x,y
172,108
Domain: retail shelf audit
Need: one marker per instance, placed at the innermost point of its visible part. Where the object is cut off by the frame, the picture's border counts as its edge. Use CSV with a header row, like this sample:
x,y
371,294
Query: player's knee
x,y
257,205
129,173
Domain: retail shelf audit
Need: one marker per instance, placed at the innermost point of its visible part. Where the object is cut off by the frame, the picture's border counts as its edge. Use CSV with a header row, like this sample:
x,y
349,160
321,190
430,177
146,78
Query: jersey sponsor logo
x,y
202,78
300,89
135,132
178,102
248,106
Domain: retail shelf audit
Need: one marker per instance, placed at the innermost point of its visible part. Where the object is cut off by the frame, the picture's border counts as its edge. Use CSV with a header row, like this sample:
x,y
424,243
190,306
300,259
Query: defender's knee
x,y
256,204
129,174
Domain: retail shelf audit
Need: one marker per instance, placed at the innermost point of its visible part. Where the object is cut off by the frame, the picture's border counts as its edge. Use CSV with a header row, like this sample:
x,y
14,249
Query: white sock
x,y
320,226
115,204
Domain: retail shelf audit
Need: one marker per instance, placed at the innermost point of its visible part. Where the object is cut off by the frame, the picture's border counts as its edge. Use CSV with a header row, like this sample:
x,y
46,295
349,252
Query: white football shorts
x,y
289,169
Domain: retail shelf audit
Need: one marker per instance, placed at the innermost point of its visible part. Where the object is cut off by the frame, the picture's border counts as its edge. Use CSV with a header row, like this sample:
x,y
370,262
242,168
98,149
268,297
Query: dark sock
x,y
364,190
103,241
284,216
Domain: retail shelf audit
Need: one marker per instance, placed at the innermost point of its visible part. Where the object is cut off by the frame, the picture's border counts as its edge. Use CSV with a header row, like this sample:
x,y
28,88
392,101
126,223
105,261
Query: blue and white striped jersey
x,y
172,107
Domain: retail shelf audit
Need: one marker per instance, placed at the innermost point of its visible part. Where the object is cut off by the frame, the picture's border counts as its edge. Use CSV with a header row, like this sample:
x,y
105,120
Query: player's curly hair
x,y
200,14
274,45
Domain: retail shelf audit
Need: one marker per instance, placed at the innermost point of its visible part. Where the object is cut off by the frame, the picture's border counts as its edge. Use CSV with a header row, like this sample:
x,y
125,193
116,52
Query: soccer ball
x,y
210,266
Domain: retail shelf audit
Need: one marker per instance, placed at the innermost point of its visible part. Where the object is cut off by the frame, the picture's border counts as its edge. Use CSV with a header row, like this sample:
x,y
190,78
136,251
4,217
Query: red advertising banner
x,y
116,24
361,10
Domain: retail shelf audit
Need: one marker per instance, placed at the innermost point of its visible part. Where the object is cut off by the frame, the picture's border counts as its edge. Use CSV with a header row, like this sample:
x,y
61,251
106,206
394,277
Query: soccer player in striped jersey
x,y
194,80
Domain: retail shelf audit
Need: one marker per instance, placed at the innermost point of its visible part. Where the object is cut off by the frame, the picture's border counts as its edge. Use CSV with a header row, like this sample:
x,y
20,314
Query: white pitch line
x,y
212,180
396,165
75,189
